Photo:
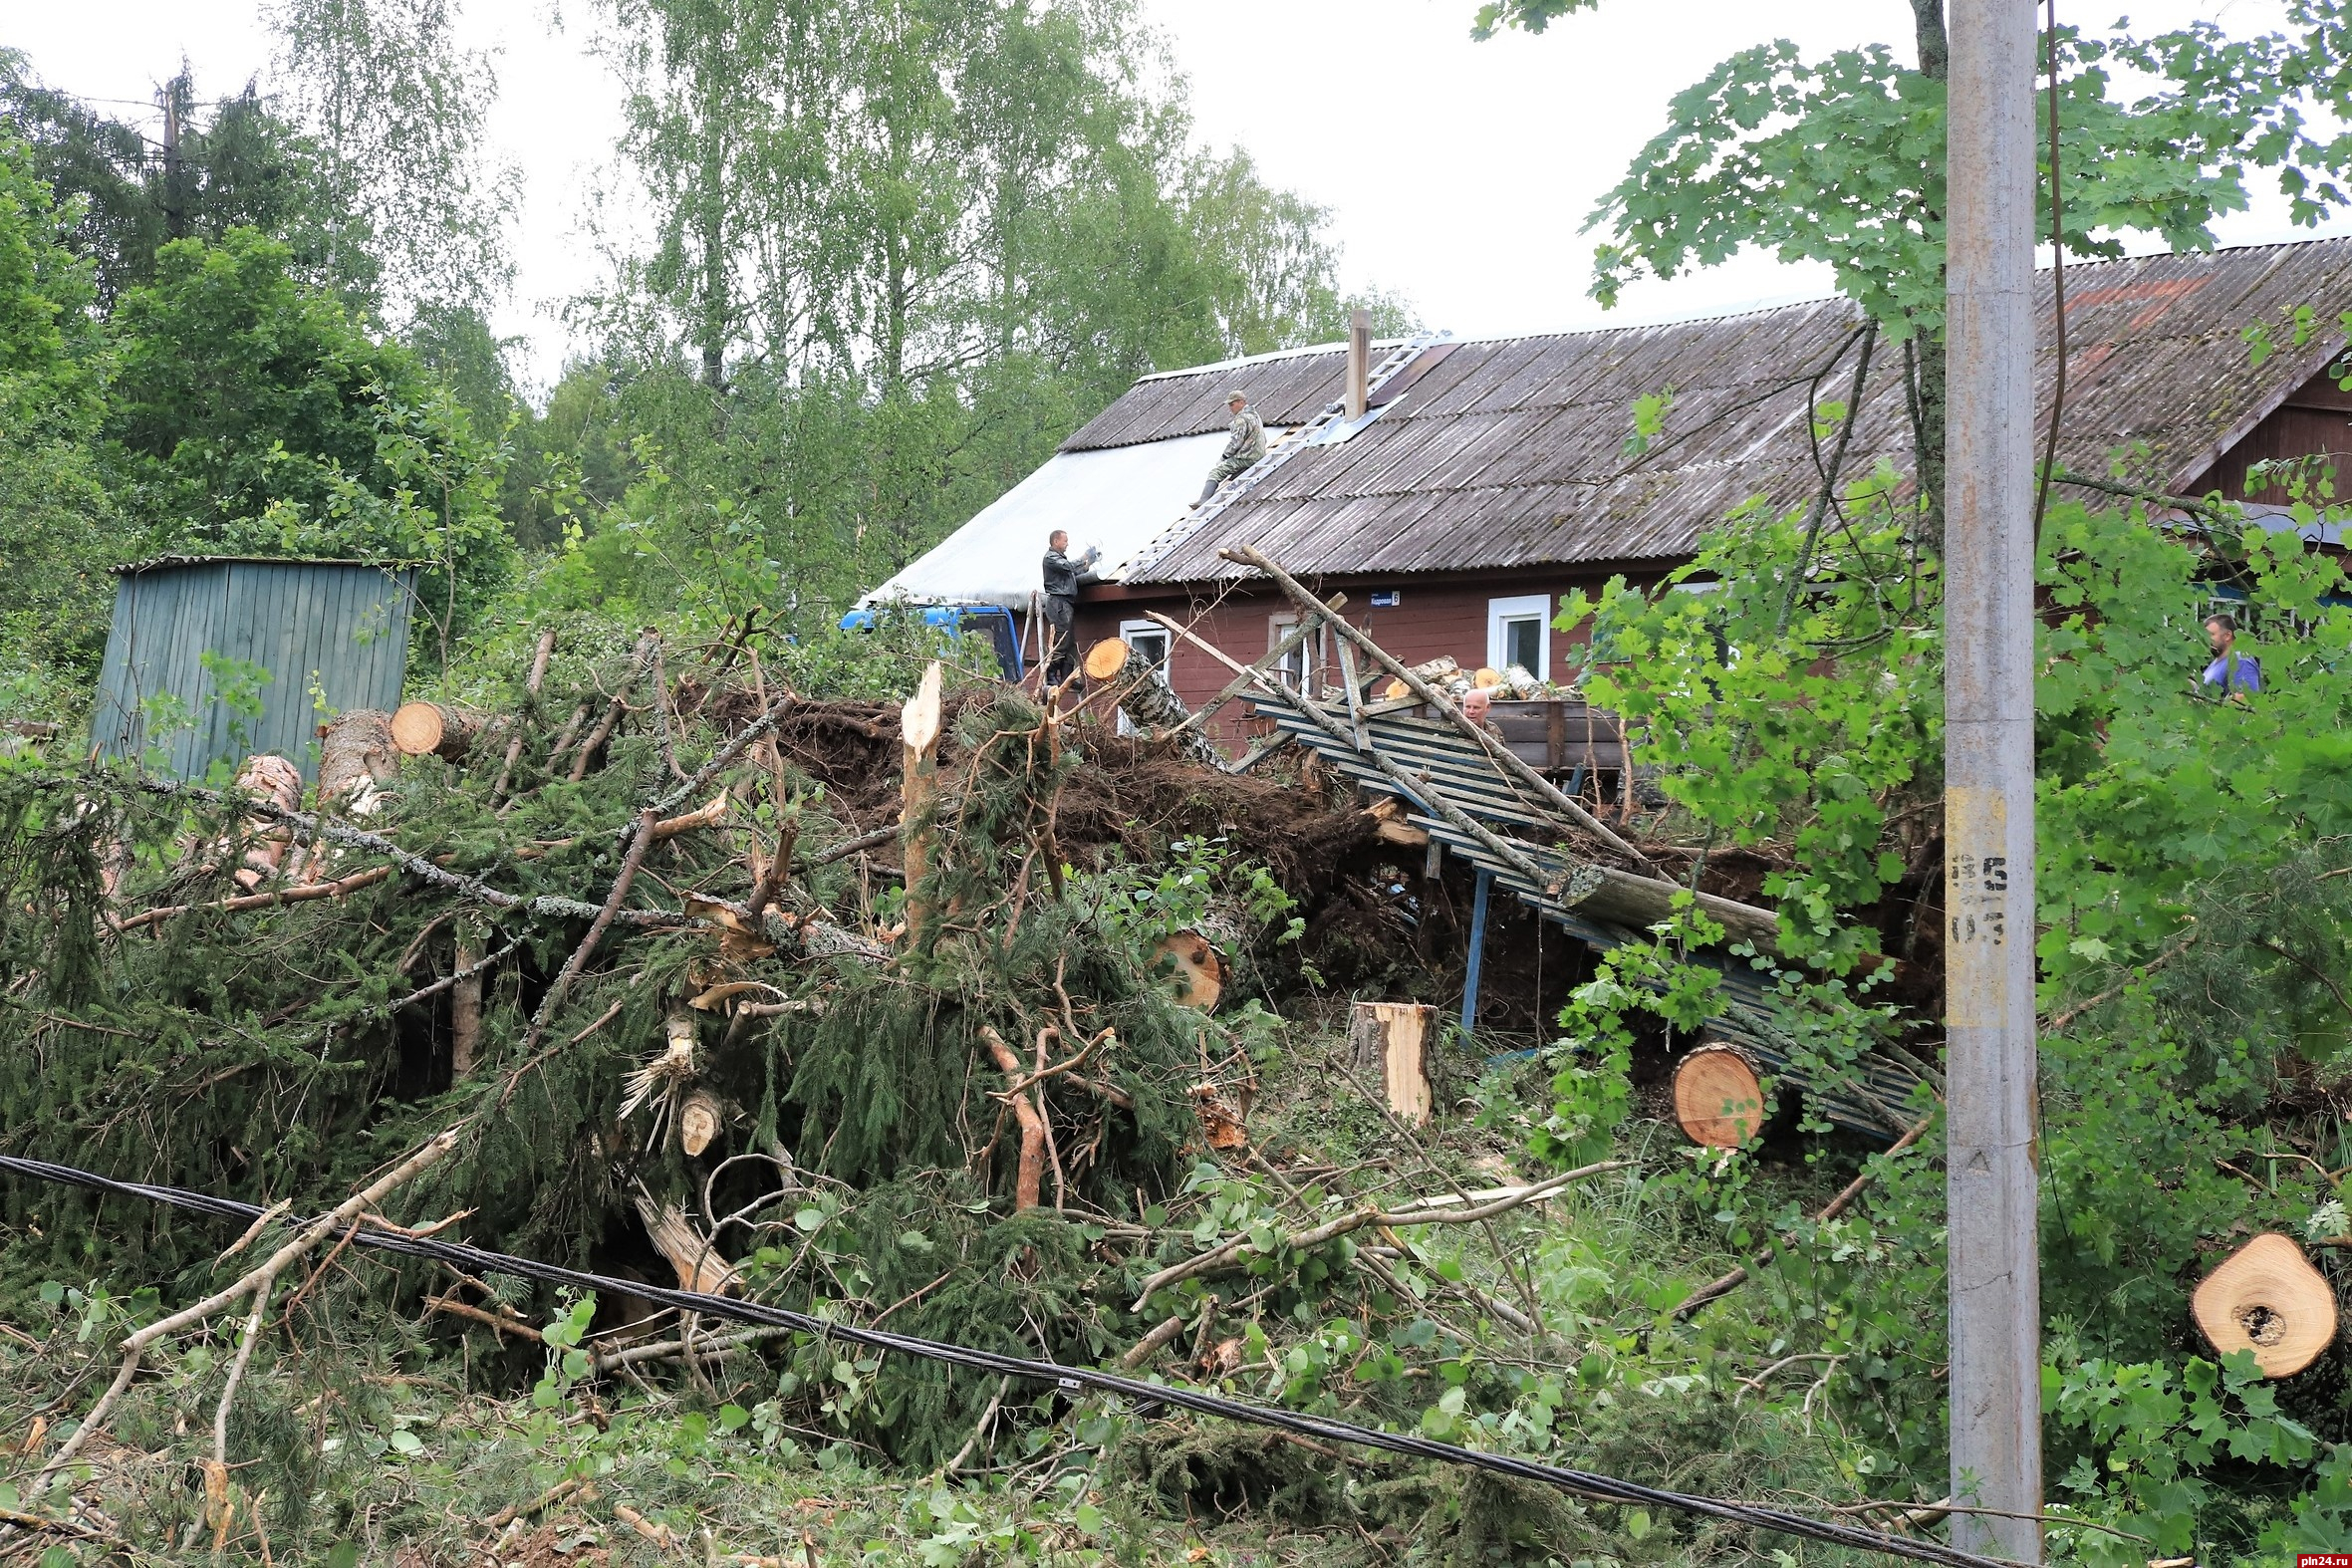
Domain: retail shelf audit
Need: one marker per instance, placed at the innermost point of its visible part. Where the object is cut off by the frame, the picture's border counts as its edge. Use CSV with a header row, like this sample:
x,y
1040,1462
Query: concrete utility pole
x,y
174,210
1990,1177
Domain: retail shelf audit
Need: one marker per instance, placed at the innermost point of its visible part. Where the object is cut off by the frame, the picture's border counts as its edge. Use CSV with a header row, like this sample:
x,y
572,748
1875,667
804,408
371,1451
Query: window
x,y
1292,671
1148,638
1519,632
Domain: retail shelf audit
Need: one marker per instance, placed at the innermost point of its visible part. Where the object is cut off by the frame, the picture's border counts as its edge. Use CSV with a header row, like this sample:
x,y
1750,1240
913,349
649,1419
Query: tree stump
x,y
356,754
430,728
1392,1038
1719,1097
2267,1298
1145,695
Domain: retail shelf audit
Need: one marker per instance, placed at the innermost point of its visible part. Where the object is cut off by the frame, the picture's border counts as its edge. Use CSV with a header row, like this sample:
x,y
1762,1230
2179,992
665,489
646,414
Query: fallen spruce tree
x,y
688,1013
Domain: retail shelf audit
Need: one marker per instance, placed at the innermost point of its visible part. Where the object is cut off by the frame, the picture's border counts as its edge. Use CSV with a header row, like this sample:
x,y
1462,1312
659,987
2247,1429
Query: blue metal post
x,y
1469,984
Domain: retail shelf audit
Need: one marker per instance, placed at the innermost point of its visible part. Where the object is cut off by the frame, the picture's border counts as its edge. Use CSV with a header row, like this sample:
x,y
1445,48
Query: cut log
x,y
698,1265
1438,672
1392,1038
918,782
1719,1097
356,755
1107,659
2267,1298
433,730
699,1120
1487,678
1199,976
1147,700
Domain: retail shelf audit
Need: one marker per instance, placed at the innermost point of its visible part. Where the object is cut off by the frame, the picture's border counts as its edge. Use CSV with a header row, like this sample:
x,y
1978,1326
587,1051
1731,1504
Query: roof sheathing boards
x,y
1510,452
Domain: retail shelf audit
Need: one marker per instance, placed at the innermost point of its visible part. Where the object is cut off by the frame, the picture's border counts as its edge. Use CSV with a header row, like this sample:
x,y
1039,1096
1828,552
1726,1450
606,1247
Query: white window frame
x,y
1129,631
1500,612
1279,628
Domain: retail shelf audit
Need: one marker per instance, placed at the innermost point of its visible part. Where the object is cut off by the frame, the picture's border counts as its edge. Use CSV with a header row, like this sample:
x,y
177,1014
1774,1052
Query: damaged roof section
x,y
1515,452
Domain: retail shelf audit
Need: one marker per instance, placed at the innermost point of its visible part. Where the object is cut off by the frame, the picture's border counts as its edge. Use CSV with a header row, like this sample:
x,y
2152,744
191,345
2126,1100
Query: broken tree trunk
x,y
274,779
1147,698
514,744
698,1265
1719,1096
1510,761
1029,1182
355,755
648,647
2267,1298
1510,853
918,782
465,1003
435,729
1294,638
1392,1038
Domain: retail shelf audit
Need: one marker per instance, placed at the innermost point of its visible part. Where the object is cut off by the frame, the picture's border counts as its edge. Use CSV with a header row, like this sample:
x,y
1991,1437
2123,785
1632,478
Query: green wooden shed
x,y
198,641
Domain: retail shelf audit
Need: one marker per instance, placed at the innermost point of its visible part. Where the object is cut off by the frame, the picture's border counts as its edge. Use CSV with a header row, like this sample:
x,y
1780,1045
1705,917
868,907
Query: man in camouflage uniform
x,y
1247,445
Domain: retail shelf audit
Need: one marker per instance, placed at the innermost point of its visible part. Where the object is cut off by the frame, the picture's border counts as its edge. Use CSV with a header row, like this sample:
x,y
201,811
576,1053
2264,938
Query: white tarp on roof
x,y
1122,499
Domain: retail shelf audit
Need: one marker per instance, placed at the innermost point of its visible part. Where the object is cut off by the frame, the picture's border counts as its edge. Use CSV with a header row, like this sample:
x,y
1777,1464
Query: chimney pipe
x,y
1359,363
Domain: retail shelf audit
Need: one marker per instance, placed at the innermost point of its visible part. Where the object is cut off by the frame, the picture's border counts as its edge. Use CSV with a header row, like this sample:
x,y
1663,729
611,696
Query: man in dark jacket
x,y
1062,576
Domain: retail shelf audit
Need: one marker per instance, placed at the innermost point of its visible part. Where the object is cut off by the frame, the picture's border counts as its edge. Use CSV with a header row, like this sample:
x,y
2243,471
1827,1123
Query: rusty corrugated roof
x,y
1510,452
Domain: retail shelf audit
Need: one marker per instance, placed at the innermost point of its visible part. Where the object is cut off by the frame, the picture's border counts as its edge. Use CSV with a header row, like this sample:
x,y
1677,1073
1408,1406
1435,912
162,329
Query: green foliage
x,y
1837,713
2197,839
395,119
250,415
58,524
901,248
1841,159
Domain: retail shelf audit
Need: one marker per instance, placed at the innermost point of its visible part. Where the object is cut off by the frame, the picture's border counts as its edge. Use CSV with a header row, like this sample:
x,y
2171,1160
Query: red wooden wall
x,y
2316,421
1433,617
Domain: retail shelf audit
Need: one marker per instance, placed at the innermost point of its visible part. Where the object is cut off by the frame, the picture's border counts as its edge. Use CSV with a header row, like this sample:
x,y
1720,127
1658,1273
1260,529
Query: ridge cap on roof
x,y
1736,311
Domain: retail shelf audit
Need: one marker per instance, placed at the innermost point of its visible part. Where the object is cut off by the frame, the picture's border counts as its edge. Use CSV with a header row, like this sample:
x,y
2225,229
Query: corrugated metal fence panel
x,y
295,634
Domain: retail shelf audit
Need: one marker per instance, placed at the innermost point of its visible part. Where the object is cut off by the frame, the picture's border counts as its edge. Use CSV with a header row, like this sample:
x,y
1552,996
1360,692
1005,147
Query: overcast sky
x,y
1458,175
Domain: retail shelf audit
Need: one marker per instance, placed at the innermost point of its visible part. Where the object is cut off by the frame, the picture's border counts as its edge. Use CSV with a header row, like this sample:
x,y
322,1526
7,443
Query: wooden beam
x,y
1421,790
1273,655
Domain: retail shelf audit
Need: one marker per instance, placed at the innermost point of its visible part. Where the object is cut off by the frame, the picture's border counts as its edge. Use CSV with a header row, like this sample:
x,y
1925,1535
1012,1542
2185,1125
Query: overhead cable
x,y
1583,1483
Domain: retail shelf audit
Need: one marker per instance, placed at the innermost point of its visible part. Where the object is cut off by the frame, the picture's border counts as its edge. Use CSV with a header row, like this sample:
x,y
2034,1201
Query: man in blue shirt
x,y
2232,674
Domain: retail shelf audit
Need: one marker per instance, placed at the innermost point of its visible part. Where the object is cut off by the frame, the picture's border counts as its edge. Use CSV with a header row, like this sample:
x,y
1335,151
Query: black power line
x,y
1583,1483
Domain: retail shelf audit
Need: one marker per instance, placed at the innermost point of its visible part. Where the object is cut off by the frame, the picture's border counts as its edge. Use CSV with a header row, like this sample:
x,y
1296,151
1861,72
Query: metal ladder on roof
x,y
1280,453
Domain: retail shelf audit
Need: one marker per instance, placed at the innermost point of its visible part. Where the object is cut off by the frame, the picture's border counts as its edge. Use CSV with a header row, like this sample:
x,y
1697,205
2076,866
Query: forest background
x,y
896,253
